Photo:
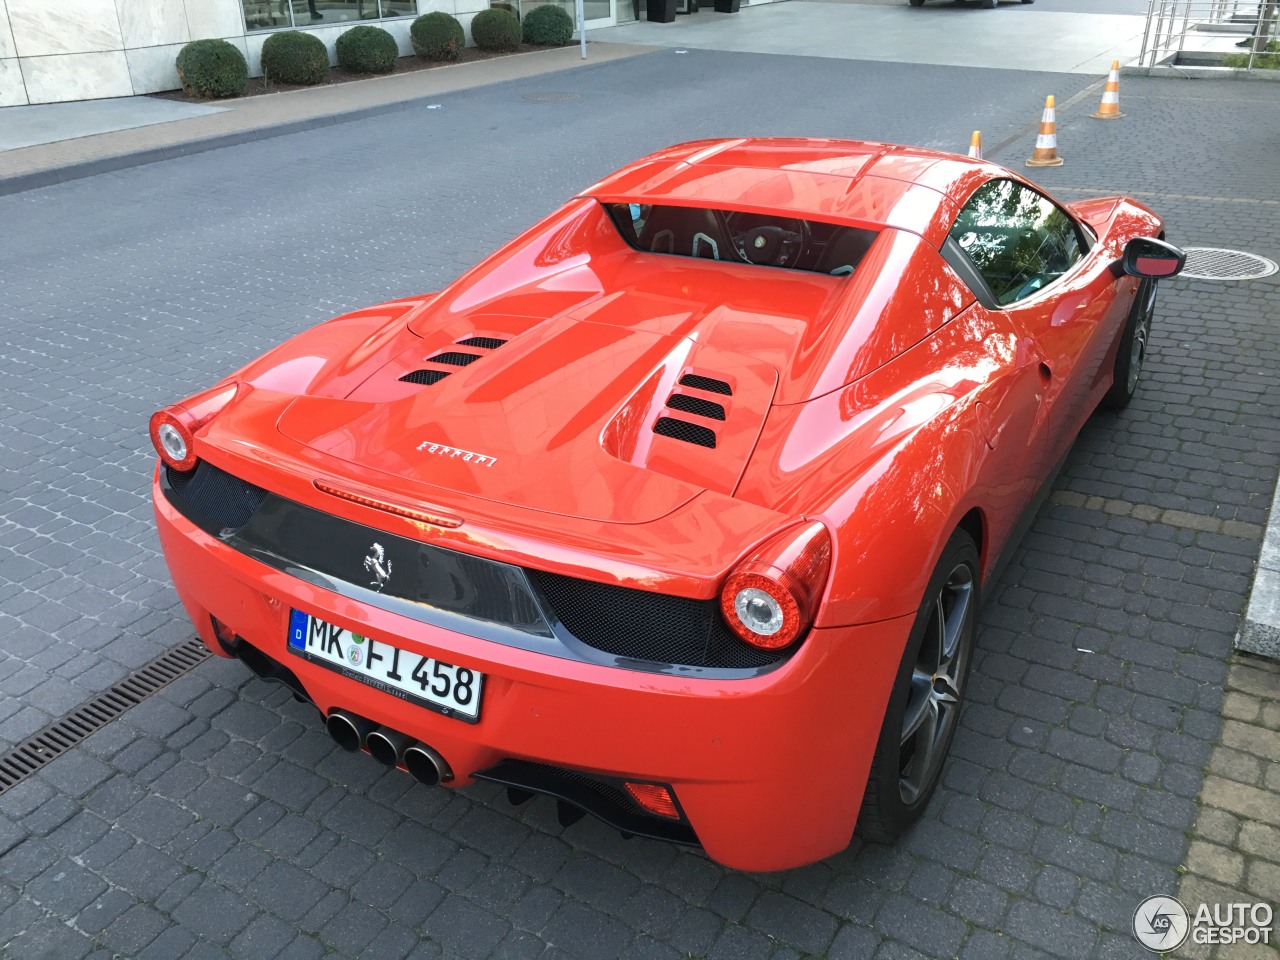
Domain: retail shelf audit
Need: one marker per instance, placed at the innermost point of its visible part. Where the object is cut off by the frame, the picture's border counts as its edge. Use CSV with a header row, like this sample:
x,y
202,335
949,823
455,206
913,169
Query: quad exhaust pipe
x,y
390,747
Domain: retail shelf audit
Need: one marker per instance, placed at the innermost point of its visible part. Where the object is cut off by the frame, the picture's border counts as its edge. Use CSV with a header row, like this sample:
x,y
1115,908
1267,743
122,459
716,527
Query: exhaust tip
x,y
387,746
347,729
426,766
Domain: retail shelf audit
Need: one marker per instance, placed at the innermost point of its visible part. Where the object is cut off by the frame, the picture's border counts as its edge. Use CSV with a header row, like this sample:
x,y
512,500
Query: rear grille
x,y
213,499
686,431
709,384
485,343
425,377
642,625
703,408
454,359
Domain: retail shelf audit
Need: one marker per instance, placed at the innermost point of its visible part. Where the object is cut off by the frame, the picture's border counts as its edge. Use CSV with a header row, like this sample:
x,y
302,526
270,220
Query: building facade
x,y
89,49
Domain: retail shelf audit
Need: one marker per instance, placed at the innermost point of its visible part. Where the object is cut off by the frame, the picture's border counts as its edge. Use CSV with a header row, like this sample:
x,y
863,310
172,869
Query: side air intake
x,y
686,431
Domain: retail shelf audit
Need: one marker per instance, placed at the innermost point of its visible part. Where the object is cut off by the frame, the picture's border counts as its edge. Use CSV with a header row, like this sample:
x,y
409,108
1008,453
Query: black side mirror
x,y
1152,259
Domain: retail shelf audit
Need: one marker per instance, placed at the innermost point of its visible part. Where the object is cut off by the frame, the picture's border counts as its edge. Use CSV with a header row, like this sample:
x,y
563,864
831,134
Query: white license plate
x,y
453,691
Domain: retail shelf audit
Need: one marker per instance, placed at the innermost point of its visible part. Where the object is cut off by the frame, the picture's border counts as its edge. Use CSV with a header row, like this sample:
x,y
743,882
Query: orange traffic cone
x,y
1109,109
975,145
1046,152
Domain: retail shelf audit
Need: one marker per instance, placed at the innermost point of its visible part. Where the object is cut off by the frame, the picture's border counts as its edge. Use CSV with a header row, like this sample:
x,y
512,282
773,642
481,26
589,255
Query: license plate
x,y
453,691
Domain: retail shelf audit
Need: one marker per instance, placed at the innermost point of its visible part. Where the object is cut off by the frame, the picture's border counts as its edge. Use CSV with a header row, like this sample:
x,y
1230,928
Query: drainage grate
x,y
61,735
1214,263
552,96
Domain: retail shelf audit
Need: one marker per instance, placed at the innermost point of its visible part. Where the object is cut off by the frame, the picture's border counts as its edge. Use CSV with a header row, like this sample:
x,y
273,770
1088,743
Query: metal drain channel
x,y
1215,263
61,735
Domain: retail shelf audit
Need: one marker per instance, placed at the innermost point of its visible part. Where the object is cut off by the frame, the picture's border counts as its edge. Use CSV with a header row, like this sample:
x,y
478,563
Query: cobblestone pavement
x,y
217,819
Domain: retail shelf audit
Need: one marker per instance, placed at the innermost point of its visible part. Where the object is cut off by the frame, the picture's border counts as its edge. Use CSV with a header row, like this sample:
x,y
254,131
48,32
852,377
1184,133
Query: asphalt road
x,y
217,819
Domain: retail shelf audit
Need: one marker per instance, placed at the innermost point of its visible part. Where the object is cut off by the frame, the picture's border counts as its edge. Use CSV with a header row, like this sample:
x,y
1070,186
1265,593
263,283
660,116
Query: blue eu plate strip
x,y
297,629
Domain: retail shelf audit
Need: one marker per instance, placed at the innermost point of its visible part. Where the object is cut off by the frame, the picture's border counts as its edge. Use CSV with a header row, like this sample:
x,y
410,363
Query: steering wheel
x,y
767,241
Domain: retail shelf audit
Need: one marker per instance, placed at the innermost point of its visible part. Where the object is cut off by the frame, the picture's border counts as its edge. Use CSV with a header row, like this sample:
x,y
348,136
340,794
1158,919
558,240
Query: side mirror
x,y
1152,259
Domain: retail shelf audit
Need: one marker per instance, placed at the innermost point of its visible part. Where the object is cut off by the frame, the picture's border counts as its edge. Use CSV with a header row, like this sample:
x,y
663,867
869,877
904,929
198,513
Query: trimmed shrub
x,y
292,56
437,36
367,50
212,68
548,25
496,29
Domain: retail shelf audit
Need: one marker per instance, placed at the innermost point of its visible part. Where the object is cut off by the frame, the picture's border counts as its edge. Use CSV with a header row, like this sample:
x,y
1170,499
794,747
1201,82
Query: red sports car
x,y
678,508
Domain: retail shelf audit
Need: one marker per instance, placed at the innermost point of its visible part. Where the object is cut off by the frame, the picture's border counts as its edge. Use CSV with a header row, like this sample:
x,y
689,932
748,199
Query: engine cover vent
x,y
425,377
686,431
709,384
485,343
703,408
455,359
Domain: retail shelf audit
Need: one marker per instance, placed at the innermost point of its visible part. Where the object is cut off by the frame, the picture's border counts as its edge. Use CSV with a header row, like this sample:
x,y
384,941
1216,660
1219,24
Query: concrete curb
x,y
1260,630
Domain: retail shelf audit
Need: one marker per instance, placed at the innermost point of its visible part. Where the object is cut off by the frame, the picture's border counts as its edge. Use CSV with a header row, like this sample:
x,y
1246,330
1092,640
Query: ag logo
x,y
1161,924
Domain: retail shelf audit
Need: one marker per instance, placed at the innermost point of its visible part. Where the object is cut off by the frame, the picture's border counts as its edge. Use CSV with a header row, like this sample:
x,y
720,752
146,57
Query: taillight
x,y
173,428
771,597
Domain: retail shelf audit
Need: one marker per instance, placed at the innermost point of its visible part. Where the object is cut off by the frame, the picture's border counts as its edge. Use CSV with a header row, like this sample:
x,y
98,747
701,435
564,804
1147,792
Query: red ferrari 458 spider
x,y
679,507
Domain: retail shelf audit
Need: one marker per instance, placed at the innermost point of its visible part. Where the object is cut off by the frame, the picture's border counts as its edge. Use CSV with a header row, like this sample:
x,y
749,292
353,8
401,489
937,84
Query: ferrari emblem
x,y
378,565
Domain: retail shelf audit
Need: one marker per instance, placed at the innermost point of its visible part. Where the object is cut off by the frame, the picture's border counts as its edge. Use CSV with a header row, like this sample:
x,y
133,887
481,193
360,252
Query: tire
x,y
916,3
990,4
1131,354
928,694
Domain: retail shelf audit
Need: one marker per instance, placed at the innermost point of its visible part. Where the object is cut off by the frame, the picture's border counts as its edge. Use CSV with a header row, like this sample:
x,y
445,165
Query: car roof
x,y
855,182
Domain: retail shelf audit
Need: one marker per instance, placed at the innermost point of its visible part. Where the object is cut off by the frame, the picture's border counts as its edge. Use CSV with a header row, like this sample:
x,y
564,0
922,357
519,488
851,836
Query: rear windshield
x,y
762,239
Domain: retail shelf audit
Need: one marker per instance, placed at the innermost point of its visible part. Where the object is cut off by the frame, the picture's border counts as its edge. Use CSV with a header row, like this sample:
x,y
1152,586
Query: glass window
x,y
1019,240
762,239
273,14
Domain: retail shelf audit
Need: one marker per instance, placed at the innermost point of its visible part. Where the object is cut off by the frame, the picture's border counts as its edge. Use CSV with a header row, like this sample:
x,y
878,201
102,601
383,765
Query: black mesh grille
x,y
487,343
709,384
647,626
213,499
425,377
454,359
703,408
686,431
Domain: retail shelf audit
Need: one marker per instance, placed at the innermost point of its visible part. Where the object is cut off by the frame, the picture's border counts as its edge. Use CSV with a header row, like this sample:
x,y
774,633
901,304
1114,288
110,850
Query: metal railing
x,y
1172,23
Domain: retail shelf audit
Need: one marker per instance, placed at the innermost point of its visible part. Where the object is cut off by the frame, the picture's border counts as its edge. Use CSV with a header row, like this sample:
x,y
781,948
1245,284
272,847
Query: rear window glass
x,y
762,239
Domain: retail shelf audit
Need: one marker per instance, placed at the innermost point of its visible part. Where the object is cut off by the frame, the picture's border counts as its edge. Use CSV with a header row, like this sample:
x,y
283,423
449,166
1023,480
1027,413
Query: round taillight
x,y
760,610
172,440
771,597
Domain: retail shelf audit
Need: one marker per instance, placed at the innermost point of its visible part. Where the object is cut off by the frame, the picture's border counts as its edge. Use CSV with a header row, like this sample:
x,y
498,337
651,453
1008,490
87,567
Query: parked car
x,y
678,508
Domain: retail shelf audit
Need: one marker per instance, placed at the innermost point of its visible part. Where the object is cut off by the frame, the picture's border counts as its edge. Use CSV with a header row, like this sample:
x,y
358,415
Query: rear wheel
x,y
990,4
924,707
1132,352
916,3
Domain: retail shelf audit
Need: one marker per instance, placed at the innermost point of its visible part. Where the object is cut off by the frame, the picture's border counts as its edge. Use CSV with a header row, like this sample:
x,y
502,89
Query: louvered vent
x,y
425,377
454,359
703,408
709,384
485,343
686,431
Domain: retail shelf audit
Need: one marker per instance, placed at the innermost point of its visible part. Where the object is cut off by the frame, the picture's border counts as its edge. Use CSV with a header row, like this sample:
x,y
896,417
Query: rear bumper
x,y
769,770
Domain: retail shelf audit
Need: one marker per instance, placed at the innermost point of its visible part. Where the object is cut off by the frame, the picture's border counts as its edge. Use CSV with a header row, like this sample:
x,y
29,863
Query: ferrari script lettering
x,y
466,456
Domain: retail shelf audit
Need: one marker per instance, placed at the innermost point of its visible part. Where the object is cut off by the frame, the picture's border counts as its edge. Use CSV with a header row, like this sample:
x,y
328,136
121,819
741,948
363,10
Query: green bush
x,y
212,68
1264,59
496,29
367,50
292,56
548,25
437,36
